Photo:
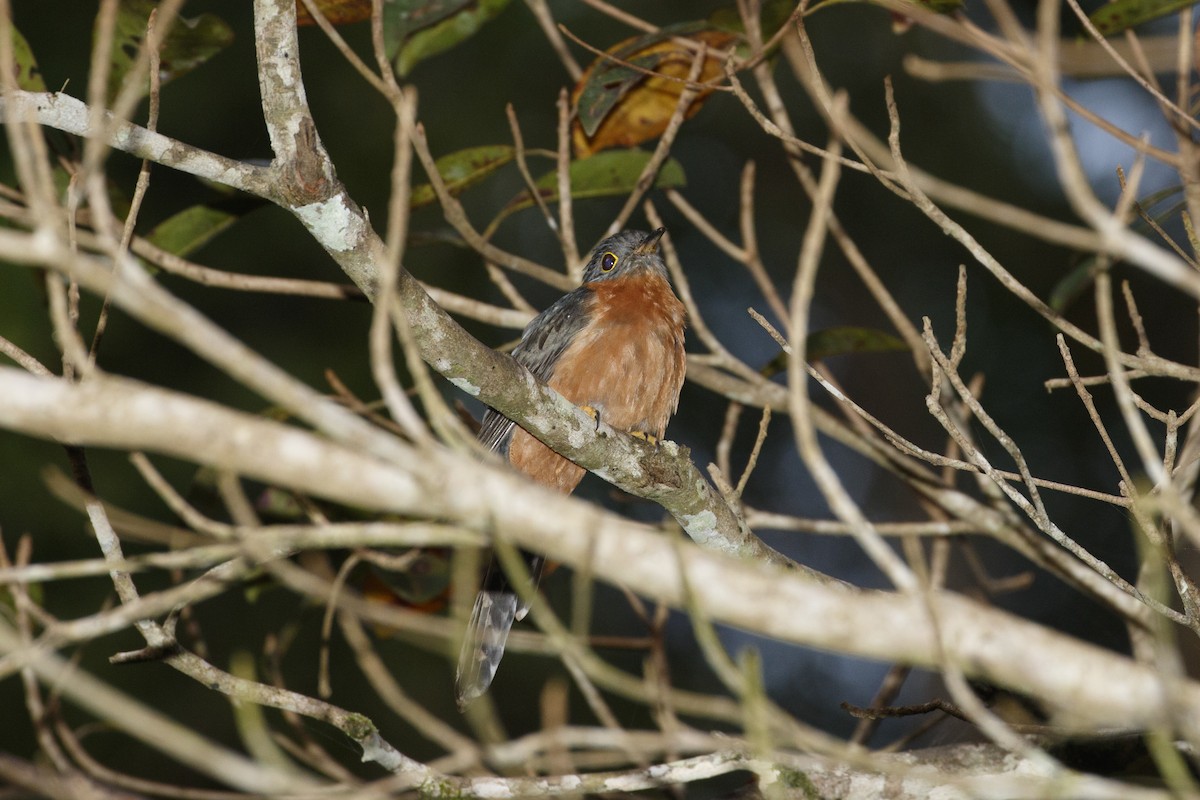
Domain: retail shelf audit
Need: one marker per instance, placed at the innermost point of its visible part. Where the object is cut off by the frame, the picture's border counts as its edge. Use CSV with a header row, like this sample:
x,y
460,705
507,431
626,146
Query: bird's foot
x,y
649,438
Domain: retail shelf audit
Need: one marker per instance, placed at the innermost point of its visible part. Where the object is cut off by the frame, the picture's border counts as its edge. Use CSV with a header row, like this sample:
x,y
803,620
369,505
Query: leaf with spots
x,y
401,18
28,76
618,104
844,340
1117,16
463,169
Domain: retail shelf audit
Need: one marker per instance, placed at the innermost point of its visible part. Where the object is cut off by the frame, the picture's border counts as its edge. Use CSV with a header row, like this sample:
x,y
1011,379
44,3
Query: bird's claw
x,y
649,438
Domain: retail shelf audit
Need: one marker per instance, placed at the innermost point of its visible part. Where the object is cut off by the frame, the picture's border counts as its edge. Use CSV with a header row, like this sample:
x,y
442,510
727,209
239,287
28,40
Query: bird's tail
x,y
483,646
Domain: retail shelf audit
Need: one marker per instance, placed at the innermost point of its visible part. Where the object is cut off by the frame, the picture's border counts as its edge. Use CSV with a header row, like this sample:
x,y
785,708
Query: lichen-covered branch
x,y
1091,686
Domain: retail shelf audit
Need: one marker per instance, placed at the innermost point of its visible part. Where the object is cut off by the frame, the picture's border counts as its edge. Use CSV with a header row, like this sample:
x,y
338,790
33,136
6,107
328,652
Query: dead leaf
x,y
618,105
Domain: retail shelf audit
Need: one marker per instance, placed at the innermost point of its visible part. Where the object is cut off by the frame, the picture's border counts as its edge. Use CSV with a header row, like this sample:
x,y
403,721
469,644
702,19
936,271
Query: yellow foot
x,y
646,437
649,438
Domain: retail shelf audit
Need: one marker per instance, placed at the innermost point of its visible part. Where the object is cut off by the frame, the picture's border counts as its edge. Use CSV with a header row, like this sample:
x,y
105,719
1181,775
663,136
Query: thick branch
x,y
1081,683
65,113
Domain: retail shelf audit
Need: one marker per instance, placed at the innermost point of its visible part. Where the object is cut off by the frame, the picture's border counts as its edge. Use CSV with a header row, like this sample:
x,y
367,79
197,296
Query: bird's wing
x,y
543,343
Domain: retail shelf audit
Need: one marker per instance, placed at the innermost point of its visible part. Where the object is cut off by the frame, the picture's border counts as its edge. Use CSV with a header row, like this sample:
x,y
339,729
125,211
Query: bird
x,y
613,346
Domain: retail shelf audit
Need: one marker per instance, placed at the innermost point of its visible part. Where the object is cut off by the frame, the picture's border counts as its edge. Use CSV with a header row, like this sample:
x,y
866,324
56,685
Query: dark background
x,y
986,137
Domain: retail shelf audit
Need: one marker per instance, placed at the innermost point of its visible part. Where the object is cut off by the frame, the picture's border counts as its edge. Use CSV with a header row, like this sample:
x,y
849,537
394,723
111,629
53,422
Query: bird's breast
x,y
628,361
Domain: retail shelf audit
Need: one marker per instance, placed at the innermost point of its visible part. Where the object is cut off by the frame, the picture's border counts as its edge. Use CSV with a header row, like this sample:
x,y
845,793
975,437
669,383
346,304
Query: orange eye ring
x,y
608,262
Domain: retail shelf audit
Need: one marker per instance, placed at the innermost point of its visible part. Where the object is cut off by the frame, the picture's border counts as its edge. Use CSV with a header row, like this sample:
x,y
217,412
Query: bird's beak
x,y
650,243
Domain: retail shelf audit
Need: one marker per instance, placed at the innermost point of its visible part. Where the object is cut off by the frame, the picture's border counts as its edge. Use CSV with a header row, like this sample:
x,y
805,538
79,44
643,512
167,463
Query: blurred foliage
x,y
1151,218
838,341
189,43
416,43
1121,15
900,21
28,76
190,229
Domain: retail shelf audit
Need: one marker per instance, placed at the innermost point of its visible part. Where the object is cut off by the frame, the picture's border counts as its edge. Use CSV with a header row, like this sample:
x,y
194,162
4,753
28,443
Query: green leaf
x,y
838,341
190,42
447,33
844,340
1070,287
1151,200
1117,16
29,77
606,174
462,169
402,18
190,229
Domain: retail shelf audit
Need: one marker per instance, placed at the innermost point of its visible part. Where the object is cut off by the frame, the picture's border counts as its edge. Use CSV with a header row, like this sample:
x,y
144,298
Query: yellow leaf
x,y
618,105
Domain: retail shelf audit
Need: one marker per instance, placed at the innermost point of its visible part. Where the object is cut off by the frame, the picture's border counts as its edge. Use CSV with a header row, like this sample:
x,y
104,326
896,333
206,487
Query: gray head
x,y
624,254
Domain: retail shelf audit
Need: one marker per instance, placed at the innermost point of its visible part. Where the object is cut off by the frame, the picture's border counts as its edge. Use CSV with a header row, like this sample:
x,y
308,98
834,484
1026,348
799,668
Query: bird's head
x,y
625,254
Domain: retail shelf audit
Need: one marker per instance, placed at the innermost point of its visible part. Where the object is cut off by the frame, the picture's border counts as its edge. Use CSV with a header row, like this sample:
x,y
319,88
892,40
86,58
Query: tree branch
x,y
66,113
1094,686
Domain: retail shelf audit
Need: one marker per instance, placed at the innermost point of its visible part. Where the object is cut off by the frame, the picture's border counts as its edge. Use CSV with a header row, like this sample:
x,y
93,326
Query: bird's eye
x,y
607,262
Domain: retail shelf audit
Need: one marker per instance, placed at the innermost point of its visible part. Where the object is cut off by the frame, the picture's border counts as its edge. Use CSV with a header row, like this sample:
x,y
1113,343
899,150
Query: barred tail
x,y
483,645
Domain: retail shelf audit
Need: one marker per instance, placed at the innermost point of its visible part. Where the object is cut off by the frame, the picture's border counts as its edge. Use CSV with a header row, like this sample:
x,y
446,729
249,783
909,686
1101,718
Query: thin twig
x,y
457,217
523,166
662,149
545,20
566,202
352,58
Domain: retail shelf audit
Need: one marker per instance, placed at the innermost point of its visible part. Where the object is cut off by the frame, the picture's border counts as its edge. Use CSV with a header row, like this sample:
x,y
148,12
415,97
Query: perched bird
x,y
613,346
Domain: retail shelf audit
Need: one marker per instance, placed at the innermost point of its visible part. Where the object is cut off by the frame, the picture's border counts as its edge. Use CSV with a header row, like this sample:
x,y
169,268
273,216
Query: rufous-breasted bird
x,y
613,346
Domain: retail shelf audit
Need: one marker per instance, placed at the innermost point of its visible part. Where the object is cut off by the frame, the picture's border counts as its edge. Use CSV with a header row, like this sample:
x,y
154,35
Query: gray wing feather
x,y
545,339
483,646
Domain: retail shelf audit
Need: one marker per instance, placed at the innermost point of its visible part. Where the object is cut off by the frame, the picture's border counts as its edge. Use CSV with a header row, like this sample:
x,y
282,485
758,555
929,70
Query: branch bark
x,y
1095,687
